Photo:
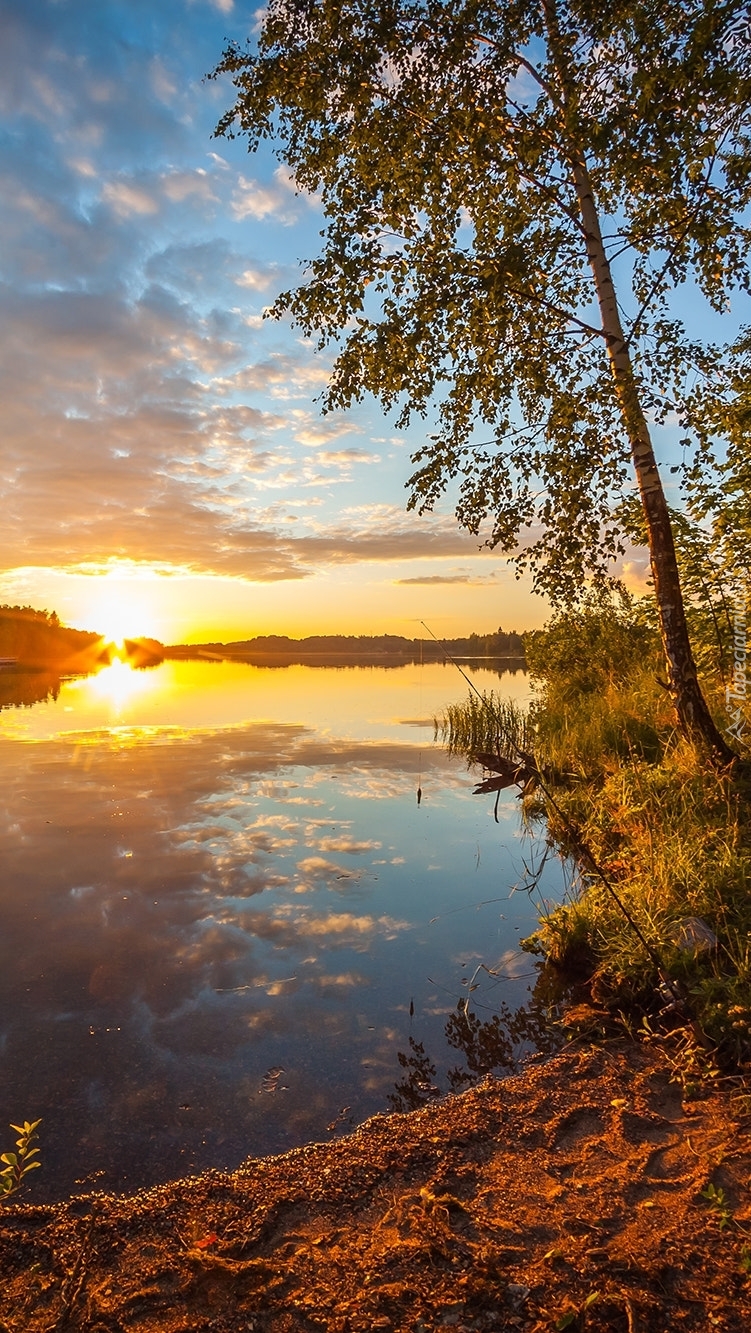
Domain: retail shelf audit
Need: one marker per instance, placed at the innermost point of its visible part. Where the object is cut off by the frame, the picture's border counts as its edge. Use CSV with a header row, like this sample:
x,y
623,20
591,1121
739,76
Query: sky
x,y
164,466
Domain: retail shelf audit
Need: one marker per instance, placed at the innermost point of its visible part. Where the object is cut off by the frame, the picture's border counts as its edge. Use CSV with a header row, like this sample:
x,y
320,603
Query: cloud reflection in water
x,y
175,924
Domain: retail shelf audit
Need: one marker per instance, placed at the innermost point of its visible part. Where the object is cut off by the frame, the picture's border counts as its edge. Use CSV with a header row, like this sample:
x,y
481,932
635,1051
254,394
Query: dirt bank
x,y
508,1207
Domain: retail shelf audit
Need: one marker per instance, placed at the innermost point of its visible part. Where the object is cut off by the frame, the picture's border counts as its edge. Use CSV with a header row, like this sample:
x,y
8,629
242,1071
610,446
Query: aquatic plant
x,y
485,722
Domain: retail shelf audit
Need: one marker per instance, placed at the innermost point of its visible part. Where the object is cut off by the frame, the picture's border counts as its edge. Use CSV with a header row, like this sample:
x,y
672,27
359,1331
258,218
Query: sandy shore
x,y
571,1196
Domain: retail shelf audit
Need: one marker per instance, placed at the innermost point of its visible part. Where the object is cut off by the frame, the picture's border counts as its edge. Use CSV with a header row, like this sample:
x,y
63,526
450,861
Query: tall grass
x,y
669,835
674,840
487,723
598,700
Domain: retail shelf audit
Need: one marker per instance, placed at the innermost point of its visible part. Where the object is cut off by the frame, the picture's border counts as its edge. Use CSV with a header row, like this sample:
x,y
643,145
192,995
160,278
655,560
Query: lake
x,y
229,928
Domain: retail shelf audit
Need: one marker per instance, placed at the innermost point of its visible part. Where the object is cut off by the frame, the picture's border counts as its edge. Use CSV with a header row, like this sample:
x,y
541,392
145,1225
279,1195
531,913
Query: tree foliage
x,y
36,638
455,268
599,642
514,190
717,471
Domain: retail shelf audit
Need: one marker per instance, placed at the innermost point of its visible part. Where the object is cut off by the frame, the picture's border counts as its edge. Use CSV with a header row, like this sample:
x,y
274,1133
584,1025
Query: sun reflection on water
x,y
119,683
212,870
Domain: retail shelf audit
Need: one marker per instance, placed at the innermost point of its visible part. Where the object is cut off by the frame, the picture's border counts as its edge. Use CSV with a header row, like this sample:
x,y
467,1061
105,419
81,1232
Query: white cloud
x,y
351,846
127,199
180,185
83,167
281,199
322,432
257,279
344,457
250,199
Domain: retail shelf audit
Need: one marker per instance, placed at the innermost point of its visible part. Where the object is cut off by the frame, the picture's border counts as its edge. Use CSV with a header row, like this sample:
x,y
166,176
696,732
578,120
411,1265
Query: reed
x,y
485,722
669,837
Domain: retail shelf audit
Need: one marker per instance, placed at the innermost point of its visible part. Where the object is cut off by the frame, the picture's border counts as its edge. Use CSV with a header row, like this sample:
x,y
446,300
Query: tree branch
x,y
679,241
525,64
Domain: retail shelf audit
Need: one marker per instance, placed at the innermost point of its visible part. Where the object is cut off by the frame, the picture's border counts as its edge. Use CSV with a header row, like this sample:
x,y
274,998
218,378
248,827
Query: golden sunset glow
x,y
176,605
181,483
183,698
119,683
120,606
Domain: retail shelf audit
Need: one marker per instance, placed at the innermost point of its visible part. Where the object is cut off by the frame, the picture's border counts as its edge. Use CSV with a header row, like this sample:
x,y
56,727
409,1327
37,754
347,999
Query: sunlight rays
x,y
119,683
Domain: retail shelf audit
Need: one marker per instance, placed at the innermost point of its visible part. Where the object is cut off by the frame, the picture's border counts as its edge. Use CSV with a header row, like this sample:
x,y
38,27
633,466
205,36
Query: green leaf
x,y
463,255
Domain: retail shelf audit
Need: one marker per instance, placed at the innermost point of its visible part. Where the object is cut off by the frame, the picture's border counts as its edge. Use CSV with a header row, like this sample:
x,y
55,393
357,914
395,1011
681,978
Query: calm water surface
x,y
226,925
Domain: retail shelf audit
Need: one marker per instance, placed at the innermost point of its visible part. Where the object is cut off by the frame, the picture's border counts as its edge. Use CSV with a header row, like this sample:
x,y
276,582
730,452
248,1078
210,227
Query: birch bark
x,y
693,713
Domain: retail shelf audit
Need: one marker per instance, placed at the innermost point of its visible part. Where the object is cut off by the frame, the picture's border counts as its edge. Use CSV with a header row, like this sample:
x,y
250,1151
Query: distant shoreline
x,y
25,683
33,640
198,653
351,650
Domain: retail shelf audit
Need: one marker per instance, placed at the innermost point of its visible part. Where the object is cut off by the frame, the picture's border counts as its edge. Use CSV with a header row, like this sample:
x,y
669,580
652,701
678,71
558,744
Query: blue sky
x,y
164,466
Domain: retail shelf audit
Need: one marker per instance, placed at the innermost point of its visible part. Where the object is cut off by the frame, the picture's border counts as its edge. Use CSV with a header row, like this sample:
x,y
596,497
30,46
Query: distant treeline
x,y
31,639
501,644
37,639
352,647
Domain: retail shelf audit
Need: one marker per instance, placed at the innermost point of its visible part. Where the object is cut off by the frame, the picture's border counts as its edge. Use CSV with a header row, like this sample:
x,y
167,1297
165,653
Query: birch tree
x,y
514,192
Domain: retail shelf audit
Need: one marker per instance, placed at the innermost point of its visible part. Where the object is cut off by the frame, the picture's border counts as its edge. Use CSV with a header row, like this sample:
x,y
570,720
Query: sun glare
x,y
117,622
121,608
119,683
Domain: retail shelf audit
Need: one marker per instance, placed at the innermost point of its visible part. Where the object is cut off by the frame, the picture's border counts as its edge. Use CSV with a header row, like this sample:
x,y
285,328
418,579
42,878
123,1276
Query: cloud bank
x,y
150,412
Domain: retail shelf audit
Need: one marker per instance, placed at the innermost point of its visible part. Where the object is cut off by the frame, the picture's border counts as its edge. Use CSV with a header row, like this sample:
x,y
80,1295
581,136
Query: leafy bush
x,y
593,645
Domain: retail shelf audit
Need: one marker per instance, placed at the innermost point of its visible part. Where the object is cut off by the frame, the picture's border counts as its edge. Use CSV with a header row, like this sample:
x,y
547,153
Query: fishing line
x,y
469,907
453,660
419,720
579,845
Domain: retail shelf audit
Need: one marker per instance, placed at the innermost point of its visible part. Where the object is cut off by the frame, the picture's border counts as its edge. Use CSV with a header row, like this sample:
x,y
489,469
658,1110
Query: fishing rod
x,y
576,838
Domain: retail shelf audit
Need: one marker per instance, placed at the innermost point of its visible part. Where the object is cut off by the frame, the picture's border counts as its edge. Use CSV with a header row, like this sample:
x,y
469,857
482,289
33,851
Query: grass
x,y
663,832
673,839
485,722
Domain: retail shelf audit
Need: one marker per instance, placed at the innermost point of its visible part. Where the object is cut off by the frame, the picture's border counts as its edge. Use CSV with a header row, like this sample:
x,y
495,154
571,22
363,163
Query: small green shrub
x,y
17,1165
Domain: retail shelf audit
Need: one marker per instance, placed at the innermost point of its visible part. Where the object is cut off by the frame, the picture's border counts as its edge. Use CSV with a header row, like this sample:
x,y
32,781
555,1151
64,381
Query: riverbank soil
x,y
584,1193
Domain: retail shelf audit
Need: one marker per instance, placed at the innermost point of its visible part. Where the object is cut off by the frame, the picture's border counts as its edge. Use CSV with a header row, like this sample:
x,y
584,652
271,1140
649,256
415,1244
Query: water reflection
x,y
21,689
186,910
118,682
492,1044
355,701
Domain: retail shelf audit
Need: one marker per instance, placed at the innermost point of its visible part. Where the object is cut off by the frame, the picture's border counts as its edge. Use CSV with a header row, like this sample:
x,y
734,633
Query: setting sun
x,y
119,608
